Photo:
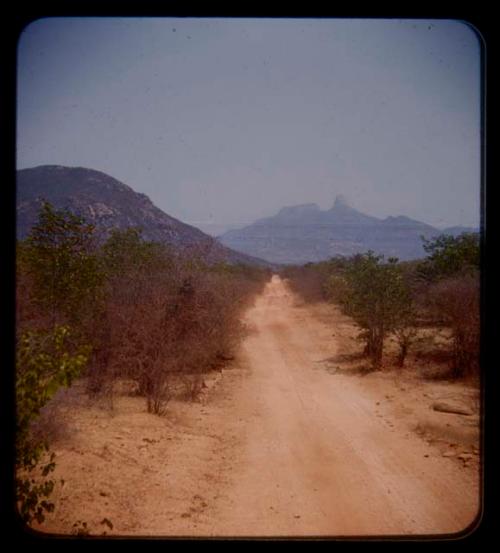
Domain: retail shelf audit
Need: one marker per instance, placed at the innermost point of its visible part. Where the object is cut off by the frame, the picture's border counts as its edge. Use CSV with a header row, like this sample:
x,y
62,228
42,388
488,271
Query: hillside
x,y
305,233
110,204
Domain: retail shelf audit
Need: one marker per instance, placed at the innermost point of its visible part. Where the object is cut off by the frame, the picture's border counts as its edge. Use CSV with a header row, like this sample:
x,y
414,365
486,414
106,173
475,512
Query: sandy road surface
x,y
316,460
279,446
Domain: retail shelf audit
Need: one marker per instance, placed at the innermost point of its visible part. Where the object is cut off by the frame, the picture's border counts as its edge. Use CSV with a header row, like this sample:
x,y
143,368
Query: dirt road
x,y
317,461
279,446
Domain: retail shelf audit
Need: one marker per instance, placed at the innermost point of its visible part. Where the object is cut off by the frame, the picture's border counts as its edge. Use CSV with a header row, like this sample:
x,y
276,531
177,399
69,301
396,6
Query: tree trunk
x,y
403,351
377,349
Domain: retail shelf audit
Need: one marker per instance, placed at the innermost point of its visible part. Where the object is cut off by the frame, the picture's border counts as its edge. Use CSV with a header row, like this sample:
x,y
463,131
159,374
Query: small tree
x,y
451,272
139,277
45,362
456,301
126,252
450,255
59,256
376,297
404,332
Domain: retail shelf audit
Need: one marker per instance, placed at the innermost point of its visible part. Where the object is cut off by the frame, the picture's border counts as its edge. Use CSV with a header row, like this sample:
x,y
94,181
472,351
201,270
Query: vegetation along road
x,y
279,447
317,460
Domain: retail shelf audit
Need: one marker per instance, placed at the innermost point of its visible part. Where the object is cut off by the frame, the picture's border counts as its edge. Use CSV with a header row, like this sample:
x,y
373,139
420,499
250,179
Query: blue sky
x,y
222,121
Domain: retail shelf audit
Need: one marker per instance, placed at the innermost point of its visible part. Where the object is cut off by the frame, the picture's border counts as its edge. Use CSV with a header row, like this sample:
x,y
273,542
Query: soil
x,y
293,439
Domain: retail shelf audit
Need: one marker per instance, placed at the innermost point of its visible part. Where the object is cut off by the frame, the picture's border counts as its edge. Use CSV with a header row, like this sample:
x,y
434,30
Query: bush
x,y
376,294
165,317
456,301
144,312
451,272
448,256
306,281
45,362
376,299
312,281
59,258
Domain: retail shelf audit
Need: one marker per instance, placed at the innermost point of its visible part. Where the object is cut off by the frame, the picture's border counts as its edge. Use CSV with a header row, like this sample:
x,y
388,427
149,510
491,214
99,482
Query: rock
x,y
449,454
465,457
451,408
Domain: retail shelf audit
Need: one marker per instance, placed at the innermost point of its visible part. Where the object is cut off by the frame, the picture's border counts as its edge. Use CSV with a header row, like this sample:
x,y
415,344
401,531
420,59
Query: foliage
x,y
397,297
80,527
314,282
376,298
405,333
448,255
146,314
165,316
456,300
182,322
131,267
336,287
59,256
125,251
45,362
451,272
376,294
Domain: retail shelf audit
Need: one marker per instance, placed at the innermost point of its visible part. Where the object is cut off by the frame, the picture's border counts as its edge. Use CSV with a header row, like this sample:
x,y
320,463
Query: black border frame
x,y
13,25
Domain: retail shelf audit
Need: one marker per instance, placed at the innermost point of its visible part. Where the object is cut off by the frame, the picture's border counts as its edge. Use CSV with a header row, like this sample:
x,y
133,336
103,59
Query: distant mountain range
x,y
305,233
110,204
297,234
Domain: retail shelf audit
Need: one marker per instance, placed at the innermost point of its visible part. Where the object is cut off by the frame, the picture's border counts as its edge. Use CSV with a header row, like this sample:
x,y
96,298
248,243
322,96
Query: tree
x,y
133,268
58,285
45,361
125,252
450,255
59,256
456,301
451,272
404,330
375,298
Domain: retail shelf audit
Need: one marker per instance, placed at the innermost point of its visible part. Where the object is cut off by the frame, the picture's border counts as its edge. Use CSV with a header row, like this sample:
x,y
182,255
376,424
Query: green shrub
x,y
59,257
376,298
450,255
45,361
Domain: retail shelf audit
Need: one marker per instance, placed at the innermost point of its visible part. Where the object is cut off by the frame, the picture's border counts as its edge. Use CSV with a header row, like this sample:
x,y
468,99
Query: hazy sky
x,y
222,121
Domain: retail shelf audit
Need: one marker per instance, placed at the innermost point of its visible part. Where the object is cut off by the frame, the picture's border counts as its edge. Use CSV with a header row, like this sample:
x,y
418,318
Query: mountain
x,y
304,233
456,231
110,204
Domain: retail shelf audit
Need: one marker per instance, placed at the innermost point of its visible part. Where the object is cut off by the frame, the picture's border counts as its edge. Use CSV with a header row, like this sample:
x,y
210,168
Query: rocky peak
x,y
340,201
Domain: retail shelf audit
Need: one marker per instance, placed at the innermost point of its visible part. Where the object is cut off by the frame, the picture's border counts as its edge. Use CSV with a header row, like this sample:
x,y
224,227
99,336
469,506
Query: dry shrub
x,y
158,315
306,281
193,386
181,320
456,301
